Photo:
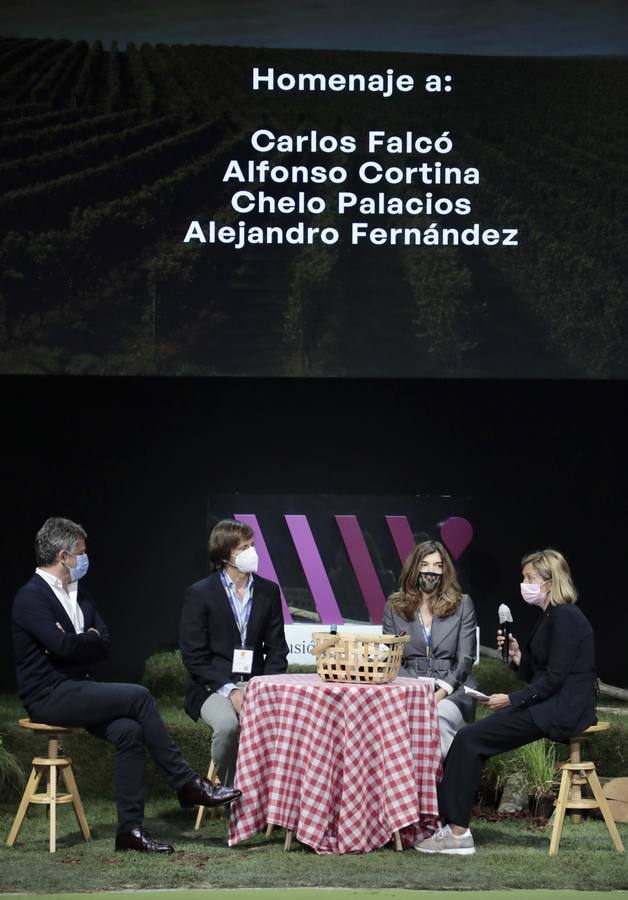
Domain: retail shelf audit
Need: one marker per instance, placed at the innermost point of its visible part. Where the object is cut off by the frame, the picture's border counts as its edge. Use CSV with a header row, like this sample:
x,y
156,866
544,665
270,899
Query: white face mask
x,y
532,594
247,560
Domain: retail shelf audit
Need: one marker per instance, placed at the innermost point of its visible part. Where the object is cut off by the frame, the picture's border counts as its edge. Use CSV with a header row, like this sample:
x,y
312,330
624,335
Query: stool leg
x,y
200,816
212,775
559,812
52,802
397,837
288,841
269,829
202,810
596,787
79,812
575,792
31,788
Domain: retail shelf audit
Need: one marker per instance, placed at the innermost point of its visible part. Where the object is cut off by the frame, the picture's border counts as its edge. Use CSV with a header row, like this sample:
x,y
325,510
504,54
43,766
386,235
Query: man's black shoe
x,y
136,839
201,792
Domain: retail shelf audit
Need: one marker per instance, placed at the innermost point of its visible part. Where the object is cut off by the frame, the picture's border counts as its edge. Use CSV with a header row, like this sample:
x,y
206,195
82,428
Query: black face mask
x,y
429,581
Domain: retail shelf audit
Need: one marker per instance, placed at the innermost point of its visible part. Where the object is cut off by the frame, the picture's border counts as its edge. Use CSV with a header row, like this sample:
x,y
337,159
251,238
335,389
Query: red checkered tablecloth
x,y
343,766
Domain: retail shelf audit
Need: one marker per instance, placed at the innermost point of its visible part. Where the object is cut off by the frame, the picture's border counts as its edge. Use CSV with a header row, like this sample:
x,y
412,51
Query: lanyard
x,y
241,619
427,635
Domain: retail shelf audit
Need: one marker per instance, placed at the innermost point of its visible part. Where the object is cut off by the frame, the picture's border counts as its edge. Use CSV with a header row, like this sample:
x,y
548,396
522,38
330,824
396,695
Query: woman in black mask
x,y
440,619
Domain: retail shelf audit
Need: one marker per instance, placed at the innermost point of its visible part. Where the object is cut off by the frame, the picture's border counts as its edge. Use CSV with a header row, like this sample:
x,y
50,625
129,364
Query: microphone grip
x,y
506,645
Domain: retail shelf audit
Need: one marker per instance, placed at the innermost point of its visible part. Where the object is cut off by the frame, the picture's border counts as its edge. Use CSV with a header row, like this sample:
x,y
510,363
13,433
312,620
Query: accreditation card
x,y
242,660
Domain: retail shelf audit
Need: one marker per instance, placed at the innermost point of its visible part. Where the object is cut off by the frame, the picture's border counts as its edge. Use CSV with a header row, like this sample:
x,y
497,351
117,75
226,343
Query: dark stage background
x,y
134,460
130,162
117,126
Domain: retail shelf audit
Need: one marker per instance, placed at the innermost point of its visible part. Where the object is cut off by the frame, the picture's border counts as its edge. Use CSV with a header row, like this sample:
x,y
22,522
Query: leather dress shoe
x,y
136,839
201,792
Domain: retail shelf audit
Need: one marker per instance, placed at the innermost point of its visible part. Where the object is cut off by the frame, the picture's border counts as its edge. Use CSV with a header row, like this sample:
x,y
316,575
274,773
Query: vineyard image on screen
x,y
189,209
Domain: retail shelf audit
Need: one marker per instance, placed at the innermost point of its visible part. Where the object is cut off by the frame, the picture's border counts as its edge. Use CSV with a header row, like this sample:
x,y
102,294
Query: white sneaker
x,y
445,841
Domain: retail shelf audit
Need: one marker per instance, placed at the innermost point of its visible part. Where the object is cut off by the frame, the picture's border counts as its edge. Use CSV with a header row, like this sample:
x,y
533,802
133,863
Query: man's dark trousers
x,y
126,716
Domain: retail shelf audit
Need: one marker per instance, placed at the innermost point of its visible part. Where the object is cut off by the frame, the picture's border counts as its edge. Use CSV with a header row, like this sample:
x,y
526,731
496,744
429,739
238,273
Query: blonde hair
x,y
444,601
552,566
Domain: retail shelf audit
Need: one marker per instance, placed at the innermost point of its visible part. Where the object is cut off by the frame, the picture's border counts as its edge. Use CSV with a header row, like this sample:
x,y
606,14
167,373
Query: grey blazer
x,y
454,644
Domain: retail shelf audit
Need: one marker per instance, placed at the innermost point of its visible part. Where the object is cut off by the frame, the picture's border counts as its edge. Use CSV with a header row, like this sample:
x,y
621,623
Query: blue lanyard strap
x,y
427,635
241,620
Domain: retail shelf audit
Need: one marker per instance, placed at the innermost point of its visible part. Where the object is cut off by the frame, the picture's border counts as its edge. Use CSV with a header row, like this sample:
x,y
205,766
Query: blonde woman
x,y
558,662
440,619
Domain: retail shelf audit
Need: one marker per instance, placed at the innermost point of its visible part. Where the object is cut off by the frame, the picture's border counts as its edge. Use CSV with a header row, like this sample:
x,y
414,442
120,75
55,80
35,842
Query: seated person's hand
x,y
514,651
237,697
440,694
496,701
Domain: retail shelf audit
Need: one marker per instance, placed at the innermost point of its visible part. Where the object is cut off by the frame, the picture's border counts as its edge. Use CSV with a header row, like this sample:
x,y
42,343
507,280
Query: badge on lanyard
x,y
242,661
242,655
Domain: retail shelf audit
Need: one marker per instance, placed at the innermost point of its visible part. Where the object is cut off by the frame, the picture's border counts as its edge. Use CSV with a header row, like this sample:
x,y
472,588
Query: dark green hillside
x,y
107,155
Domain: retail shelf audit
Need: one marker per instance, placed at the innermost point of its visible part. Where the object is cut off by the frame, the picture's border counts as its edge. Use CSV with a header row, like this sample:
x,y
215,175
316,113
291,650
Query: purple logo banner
x,y
456,534
362,566
266,568
314,570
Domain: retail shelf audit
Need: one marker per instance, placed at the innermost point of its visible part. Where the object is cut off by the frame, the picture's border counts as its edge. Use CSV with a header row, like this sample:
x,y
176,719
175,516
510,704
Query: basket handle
x,y
325,645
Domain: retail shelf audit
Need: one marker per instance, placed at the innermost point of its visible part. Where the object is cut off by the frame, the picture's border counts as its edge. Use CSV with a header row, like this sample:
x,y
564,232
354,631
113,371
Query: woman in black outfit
x,y
558,702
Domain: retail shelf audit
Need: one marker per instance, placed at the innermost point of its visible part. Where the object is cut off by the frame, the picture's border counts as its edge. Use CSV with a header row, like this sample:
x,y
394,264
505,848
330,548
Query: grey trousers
x,y
219,713
450,721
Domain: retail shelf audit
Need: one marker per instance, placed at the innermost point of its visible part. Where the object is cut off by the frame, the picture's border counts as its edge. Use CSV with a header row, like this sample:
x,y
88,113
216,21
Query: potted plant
x,y
525,778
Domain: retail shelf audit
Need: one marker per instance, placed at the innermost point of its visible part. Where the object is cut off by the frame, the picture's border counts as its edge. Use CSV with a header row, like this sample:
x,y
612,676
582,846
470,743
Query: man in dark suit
x,y
58,635
231,629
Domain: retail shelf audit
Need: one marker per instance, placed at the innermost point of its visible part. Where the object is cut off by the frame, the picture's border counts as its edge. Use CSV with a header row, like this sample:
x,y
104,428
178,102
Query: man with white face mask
x,y
231,629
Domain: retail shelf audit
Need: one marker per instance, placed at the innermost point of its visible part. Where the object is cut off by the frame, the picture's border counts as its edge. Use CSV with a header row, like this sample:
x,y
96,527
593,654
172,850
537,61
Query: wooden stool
x,y
50,764
212,775
289,835
575,774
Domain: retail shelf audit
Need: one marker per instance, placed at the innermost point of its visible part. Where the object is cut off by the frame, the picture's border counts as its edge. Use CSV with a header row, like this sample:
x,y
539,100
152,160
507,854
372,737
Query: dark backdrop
x,y
134,460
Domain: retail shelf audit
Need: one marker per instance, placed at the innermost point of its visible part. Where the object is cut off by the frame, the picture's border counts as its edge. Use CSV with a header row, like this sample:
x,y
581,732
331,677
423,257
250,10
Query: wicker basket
x,y
358,657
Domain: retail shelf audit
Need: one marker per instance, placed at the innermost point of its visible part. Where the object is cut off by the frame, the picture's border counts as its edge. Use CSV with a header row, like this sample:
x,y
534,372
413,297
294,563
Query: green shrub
x,y
12,776
494,677
607,749
165,676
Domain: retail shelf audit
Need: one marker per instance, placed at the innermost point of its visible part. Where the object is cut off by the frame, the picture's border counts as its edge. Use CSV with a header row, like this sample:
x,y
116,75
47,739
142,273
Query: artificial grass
x,y
340,894
510,855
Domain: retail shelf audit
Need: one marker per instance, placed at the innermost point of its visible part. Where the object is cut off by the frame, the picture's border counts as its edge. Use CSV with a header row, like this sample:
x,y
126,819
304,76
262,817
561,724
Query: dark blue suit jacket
x,y
559,664
44,654
209,634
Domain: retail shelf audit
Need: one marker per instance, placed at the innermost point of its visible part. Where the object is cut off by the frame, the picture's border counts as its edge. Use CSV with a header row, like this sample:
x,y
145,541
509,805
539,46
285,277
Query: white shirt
x,y
240,605
68,599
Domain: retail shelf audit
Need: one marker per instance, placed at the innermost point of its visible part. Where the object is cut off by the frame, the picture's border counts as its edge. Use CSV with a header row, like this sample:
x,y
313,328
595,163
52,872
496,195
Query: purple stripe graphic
x,y
266,568
401,535
314,570
363,567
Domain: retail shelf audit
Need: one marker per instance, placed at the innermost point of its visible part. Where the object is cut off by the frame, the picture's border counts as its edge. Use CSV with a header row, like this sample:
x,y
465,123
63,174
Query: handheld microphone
x,y
505,620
